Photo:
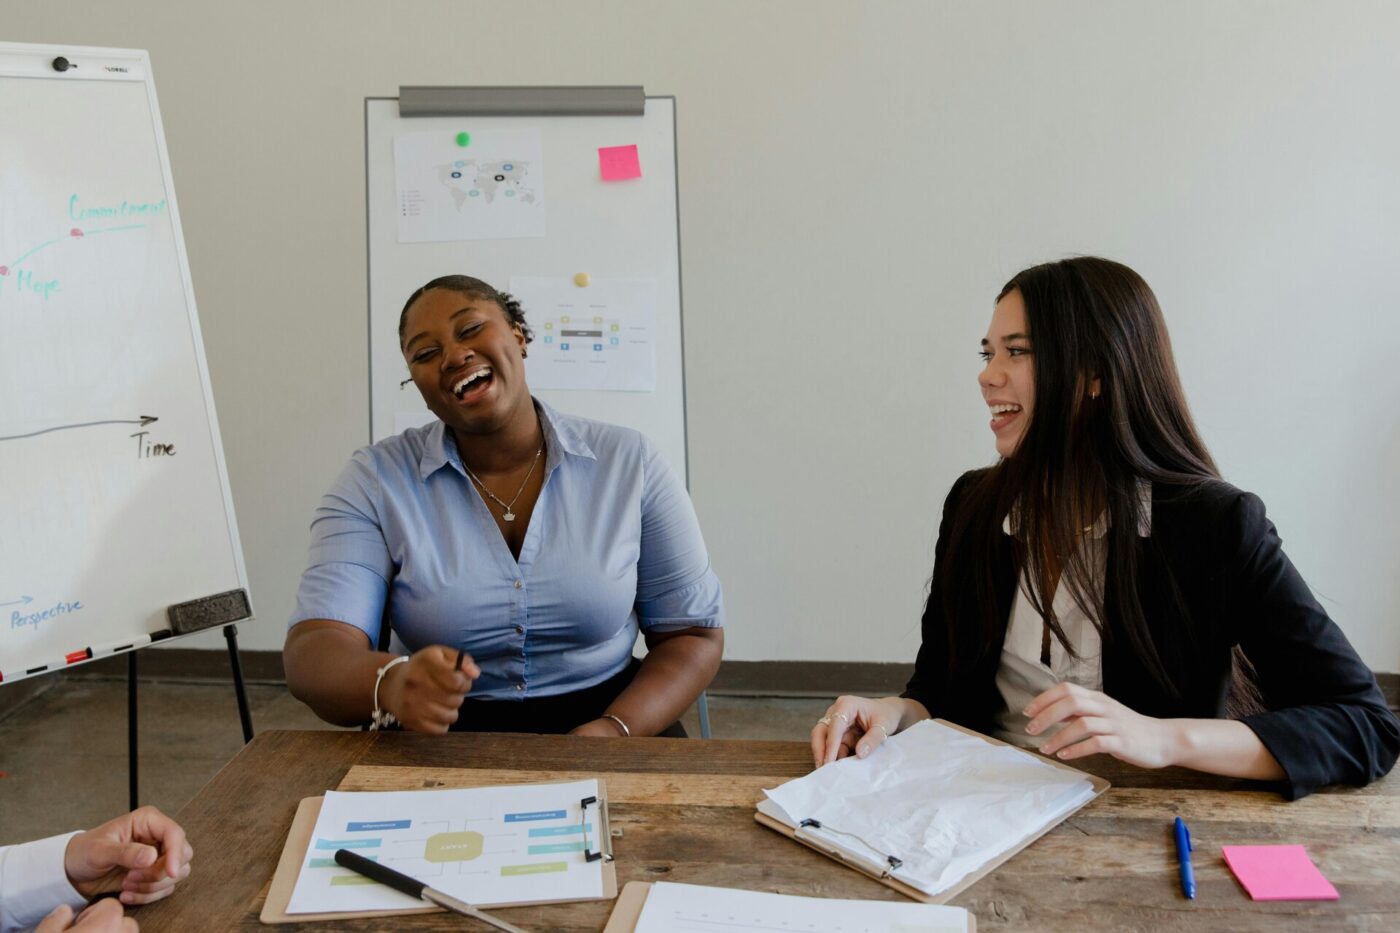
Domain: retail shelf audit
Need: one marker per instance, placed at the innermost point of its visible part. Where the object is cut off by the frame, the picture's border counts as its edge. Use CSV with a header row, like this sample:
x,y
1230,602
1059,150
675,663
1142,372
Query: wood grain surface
x,y
682,810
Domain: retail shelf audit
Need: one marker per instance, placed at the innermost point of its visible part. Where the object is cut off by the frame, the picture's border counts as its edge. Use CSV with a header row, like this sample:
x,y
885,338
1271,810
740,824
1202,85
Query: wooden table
x,y
685,809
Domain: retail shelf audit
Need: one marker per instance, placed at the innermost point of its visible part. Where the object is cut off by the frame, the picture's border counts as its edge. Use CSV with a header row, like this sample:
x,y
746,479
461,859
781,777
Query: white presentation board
x,y
442,176
113,492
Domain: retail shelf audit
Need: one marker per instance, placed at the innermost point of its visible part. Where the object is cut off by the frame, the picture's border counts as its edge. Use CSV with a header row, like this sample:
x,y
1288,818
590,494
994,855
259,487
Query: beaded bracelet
x,y
382,718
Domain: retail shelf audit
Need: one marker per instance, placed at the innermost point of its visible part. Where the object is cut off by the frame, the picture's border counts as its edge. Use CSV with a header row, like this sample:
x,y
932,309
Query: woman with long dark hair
x,y
1102,590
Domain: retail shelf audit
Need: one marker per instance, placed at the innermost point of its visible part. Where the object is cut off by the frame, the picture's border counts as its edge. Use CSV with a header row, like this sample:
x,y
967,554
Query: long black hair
x,y
1088,319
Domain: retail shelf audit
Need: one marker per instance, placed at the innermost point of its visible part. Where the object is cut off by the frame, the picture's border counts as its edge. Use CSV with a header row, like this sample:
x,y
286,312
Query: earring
x,y
1093,395
524,353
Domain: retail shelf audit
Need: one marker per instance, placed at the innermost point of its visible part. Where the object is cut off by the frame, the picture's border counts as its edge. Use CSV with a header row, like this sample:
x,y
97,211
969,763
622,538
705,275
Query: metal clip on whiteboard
x,y
598,101
604,832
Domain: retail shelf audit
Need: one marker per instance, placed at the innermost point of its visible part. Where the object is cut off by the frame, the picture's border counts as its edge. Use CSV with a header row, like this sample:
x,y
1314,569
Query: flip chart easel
x,y
120,531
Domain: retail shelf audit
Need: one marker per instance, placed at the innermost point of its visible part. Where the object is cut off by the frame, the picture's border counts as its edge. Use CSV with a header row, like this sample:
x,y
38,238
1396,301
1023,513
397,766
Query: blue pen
x,y
1183,855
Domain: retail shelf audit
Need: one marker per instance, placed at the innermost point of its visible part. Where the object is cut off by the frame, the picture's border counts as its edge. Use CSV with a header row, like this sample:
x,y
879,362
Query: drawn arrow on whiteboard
x,y
22,601
142,420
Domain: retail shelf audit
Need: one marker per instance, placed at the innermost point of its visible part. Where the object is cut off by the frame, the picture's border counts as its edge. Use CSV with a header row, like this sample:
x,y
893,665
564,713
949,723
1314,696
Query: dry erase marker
x,y
140,641
416,889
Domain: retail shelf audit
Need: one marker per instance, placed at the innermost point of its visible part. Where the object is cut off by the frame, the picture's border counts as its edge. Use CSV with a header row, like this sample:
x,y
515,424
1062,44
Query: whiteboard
x,y
606,230
113,492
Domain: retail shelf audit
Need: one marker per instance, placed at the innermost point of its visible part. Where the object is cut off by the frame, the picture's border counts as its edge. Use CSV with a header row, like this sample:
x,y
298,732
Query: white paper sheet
x,y
488,846
942,801
490,189
597,337
680,908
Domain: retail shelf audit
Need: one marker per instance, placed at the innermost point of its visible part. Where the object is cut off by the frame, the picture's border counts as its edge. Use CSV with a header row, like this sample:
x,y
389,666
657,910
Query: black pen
x,y
461,653
416,889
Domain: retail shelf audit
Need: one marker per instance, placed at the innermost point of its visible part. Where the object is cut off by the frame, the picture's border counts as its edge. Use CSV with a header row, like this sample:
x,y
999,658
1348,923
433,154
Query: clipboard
x,y
628,909
794,832
284,879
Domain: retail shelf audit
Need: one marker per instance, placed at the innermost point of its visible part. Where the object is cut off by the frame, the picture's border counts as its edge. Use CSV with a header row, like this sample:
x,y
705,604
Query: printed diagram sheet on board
x,y
601,336
489,846
486,185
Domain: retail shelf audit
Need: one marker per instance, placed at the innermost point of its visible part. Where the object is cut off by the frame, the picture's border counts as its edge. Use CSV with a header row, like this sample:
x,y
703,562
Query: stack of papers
x,y
932,805
679,908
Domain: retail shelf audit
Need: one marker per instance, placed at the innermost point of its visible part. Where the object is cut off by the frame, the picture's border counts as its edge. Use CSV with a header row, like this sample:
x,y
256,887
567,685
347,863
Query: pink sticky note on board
x,y
1278,873
619,163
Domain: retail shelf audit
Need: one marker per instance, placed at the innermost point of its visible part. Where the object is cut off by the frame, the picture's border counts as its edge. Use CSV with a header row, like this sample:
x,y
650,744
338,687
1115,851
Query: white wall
x,y
857,181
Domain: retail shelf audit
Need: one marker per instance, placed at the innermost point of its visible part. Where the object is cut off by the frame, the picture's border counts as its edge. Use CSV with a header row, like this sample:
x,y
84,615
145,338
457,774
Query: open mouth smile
x,y
1003,413
473,387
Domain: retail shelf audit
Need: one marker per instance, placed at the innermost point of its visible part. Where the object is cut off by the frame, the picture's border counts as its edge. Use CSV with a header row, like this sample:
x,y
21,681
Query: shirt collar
x,y
561,436
1102,523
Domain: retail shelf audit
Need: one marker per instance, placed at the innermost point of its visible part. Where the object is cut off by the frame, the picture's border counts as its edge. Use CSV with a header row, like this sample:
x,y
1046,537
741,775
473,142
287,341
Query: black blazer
x,y
1326,721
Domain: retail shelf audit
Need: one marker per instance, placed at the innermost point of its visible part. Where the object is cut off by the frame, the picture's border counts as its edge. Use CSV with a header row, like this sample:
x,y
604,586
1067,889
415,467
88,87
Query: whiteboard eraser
x,y
209,611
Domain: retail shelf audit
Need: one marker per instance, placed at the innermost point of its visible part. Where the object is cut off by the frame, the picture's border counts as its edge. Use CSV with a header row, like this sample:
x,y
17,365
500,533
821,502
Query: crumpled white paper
x,y
942,801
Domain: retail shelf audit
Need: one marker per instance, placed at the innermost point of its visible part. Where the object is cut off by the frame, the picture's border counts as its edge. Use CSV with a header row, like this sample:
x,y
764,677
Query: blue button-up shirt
x,y
613,547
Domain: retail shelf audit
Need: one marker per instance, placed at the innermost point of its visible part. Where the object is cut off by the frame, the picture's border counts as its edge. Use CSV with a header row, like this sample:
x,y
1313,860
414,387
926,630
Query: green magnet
x,y
464,139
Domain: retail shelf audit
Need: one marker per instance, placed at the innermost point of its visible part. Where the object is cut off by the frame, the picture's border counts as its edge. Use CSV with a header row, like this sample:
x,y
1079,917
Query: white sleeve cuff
x,y
33,882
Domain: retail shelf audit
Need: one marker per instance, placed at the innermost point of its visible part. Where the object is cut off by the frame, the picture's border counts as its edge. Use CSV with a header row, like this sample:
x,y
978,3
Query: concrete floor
x,y
63,755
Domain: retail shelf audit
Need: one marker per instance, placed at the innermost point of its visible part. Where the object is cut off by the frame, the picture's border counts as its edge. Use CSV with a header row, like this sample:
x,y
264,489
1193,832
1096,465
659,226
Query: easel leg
x,y
244,716
131,726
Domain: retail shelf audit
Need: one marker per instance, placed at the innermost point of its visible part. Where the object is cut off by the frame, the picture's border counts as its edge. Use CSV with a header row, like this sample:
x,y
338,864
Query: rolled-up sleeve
x,y
676,587
348,565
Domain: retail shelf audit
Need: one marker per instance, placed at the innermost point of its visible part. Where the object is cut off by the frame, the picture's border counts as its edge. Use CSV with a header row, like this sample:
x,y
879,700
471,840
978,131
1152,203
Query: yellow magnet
x,y
581,280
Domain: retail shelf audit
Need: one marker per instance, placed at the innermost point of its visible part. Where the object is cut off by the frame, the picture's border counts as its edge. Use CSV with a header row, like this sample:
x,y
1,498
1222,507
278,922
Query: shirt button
x,y
518,584
520,630
519,687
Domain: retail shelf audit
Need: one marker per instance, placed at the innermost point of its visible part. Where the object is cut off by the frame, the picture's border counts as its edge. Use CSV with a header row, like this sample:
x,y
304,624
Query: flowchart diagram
x,y
492,845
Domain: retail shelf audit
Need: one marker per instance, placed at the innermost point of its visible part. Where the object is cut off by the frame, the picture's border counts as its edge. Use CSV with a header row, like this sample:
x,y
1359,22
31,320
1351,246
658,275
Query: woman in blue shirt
x,y
514,551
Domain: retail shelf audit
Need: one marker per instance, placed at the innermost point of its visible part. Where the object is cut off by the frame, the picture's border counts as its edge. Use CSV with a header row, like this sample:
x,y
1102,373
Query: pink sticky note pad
x,y
1278,873
619,163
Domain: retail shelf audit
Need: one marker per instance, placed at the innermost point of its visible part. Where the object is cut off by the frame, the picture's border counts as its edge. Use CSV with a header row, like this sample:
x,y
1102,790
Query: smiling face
x,y
1008,378
466,359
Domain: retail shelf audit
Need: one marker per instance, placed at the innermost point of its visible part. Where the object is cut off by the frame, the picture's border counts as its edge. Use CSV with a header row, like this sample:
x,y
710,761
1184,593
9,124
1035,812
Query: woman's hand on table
x,y
426,693
1094,723
857,726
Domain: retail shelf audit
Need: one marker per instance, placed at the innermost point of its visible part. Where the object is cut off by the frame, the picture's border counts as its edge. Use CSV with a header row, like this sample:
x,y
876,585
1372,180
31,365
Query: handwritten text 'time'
x,y
146,449
34,619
